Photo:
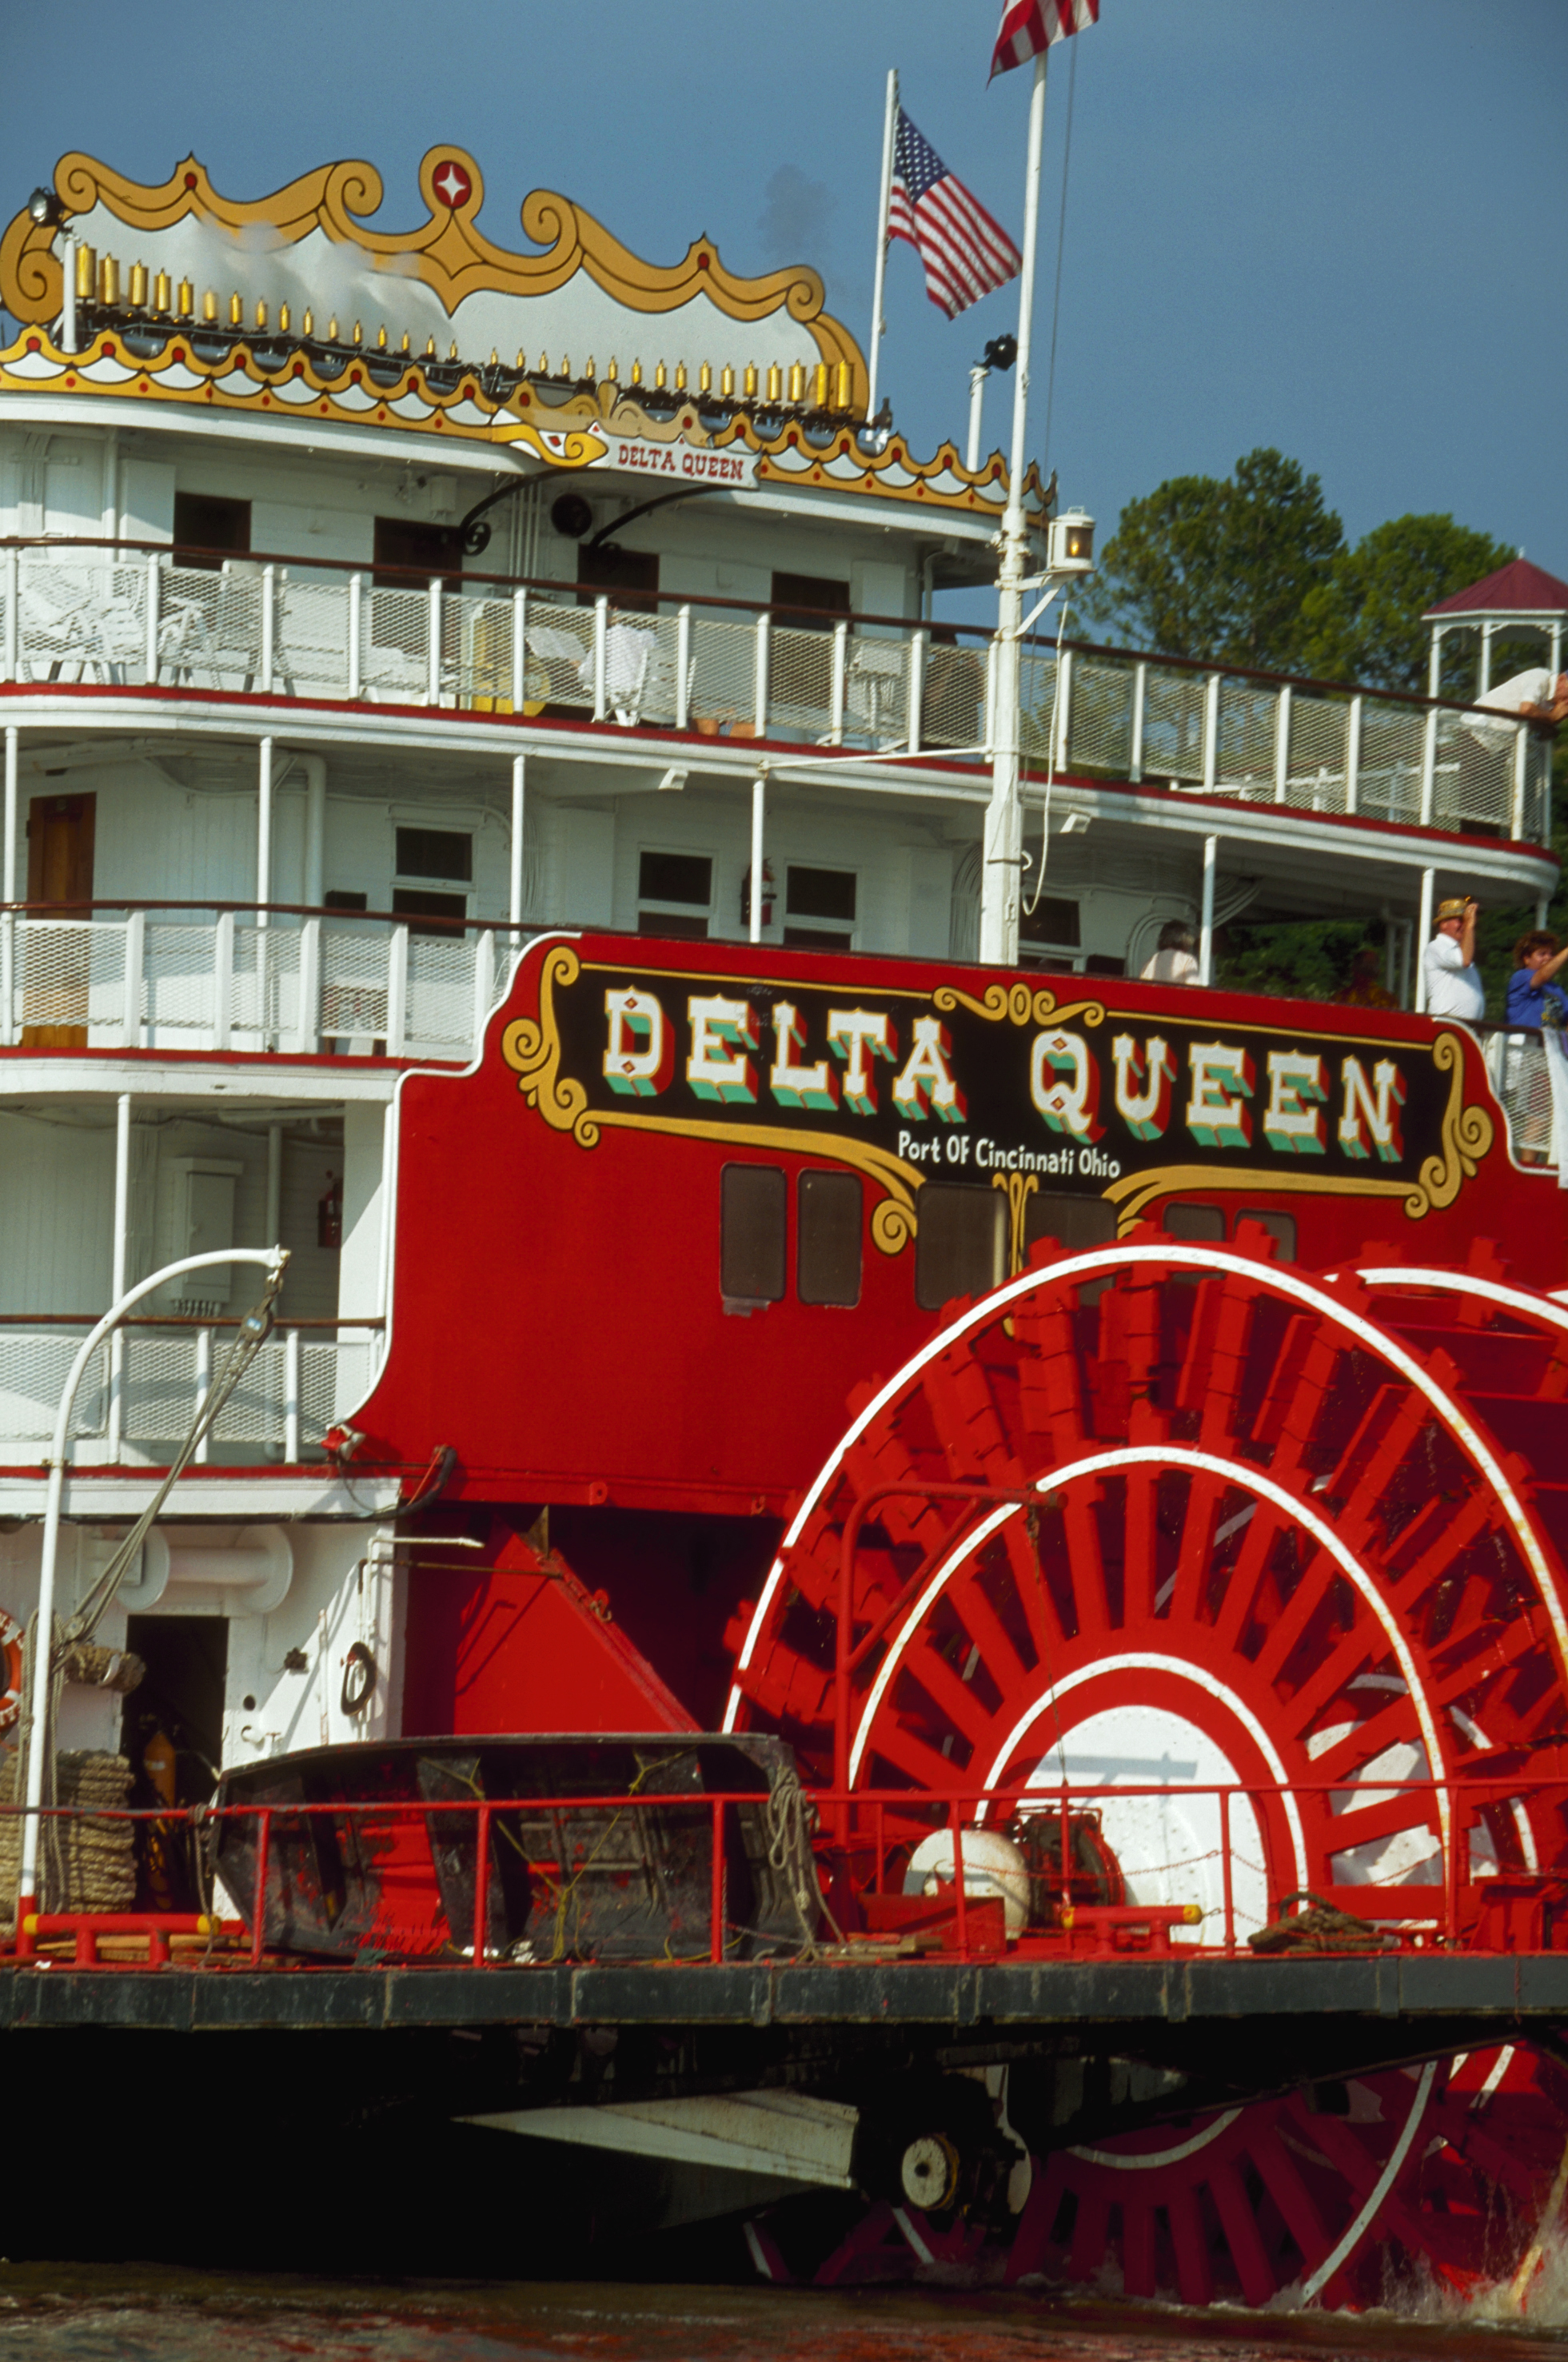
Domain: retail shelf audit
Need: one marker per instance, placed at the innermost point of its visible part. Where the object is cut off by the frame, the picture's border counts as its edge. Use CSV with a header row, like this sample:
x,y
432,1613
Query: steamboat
x,y
664,1540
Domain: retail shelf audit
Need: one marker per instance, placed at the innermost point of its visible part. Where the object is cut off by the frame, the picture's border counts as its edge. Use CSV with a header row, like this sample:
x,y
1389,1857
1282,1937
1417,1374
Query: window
x,y
206,522
824,897
823,600
1281,1229
1204,1224
444,853
1052,921
405,551
631,574
960,1243
753,1221
447,853
675,895
1075,1223
341,899
1102,964
827,1238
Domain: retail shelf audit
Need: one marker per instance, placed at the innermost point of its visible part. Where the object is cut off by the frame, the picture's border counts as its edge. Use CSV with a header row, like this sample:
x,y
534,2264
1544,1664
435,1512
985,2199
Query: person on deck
x,y
1538,695
1364,991
1173,962
1533,997
1448,964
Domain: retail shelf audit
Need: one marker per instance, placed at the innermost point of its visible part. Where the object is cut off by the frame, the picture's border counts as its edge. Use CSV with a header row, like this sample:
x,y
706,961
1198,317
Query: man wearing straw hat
x,y
1448,964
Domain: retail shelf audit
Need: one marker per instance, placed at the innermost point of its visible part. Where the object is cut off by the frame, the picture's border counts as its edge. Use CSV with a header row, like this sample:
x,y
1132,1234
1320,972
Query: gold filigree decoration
x,y
1466,1137
1023,1004
893,1225
1020,1189
450,253
532,1047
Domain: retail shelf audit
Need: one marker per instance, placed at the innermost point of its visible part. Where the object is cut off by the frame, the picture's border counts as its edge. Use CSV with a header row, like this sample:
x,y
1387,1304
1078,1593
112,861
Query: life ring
x,y
10,1670
358,1679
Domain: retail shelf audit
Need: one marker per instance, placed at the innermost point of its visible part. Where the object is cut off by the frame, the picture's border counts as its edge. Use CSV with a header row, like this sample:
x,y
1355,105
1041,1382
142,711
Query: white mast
x,y
884,202
1004,814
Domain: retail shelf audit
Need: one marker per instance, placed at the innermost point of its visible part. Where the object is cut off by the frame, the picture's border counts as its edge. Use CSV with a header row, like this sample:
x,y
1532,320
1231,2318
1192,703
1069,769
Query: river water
x,y
74,2314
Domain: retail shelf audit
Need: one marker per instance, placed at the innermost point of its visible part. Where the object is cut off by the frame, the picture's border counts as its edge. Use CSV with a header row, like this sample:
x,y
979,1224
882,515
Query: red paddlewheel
x,y
1438,2170
1289,1535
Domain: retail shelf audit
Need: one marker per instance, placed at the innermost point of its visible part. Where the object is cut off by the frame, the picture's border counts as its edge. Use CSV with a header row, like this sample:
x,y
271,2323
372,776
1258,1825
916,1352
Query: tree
x,y
1220,568
1364,623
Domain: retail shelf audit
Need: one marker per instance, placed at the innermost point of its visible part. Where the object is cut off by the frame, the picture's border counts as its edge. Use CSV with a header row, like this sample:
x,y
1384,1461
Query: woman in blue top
x,y
1530,987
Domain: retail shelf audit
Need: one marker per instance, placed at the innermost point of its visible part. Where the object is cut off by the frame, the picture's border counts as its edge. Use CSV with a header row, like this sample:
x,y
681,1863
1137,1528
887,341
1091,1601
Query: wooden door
x,y
56,956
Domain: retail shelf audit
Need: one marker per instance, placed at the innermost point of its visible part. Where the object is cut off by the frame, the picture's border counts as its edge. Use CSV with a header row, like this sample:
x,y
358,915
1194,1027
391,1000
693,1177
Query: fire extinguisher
x,y
768,891
329,1213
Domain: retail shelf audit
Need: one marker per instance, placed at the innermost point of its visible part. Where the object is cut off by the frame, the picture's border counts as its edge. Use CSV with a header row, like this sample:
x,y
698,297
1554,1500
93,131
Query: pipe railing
x,y
146,1395
1448,1909
224,976
131,613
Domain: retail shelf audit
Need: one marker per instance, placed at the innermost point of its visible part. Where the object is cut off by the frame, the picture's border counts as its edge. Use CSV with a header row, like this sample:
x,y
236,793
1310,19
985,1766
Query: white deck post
x,y
484,983
519,650
118,1266
136,952
151,619
1423,928
204,1381
835,695
1517,805
917,688
1353,753
263,837
1210,733
758,834
291,1397
519,818
1064,709
1205,934
1140,706
683,667
600,656
269,627
13,660
308,1038
432,682
353,688
222,980
1428,766
760,701
397,991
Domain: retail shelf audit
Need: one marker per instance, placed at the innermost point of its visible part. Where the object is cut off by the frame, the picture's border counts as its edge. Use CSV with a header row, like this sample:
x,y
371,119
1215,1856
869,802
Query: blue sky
x,y
1335,229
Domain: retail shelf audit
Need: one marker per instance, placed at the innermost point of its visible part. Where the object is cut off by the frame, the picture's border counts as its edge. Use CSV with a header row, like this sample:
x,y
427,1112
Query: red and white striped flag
x,y
965,253
1030,26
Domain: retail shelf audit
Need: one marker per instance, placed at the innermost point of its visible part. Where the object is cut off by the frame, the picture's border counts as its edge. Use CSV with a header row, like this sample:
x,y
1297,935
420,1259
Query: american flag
x,y
1030,26
965,253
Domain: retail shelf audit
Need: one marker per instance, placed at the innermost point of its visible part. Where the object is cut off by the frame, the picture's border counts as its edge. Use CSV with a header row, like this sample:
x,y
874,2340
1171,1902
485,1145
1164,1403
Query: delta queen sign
x,y
911,1075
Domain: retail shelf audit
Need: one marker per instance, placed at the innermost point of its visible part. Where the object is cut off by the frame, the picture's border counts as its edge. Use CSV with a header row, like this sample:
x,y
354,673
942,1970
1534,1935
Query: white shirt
x,y
1533,688
1453,989
1170,967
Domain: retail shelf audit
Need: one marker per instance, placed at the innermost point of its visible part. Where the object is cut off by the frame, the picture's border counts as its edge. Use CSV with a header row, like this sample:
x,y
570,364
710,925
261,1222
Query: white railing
x,y
1522,1080
73,612
143,1387
159,979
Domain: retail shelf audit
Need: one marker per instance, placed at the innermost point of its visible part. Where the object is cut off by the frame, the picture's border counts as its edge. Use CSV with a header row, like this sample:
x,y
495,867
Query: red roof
x,y
1517,589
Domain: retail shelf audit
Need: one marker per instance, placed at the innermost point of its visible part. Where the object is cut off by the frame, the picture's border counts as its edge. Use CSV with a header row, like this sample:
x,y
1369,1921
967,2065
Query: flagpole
x,y
1000,880
884,204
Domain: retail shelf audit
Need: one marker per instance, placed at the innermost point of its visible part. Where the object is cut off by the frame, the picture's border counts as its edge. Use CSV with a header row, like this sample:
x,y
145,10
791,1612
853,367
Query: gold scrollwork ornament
x,y
532,1047
1466,1137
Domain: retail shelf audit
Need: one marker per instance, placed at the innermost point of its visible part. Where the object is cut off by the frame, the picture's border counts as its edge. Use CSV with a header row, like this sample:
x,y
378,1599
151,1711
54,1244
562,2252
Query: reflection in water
x,y
74,2314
